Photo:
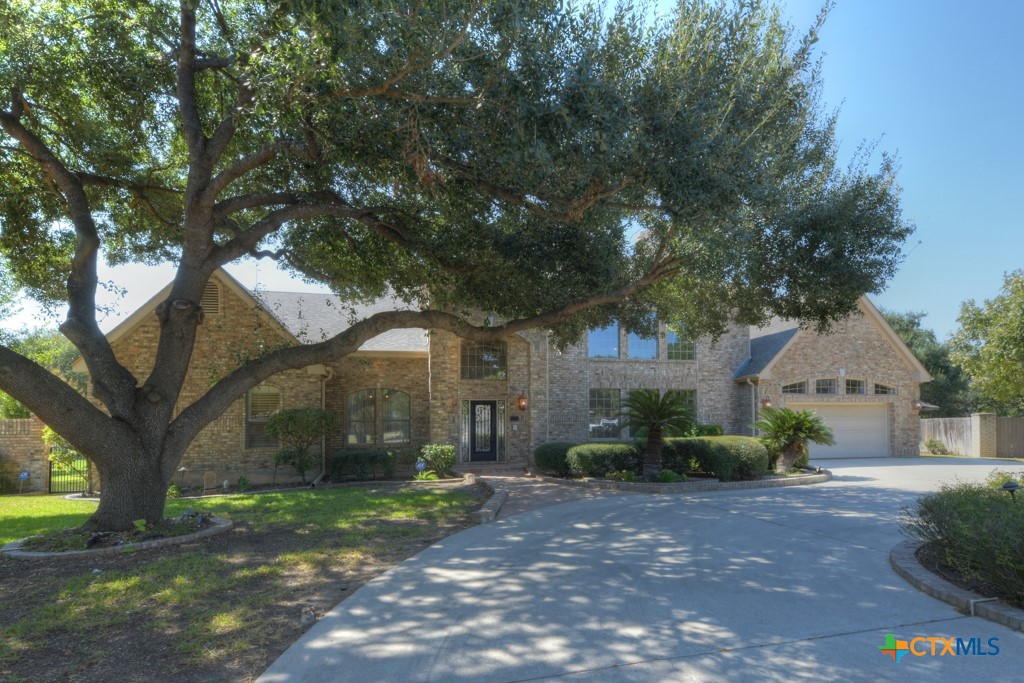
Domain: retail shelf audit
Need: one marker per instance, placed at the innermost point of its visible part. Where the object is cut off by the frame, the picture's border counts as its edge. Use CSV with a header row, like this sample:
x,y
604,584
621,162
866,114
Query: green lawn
x,y
228,603
29,515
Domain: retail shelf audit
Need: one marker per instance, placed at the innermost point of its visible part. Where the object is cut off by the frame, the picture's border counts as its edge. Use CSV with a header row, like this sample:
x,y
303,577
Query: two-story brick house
x,y
497,402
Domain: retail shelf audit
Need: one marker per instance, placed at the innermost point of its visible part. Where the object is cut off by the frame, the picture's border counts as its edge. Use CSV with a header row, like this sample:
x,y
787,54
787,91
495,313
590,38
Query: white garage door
x,y
861,431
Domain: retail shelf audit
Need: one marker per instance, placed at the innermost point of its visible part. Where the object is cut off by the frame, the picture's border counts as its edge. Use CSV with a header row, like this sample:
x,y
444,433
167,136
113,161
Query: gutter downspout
x,y
323,439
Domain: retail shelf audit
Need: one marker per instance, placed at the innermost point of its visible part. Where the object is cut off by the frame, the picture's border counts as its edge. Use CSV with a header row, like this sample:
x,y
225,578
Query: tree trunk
x,y
788,457
133,489
652,454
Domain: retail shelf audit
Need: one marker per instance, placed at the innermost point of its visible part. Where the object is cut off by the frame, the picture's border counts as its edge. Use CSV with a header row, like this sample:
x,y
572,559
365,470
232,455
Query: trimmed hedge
x,y
598,459
708,430
725,457
551,457
368,464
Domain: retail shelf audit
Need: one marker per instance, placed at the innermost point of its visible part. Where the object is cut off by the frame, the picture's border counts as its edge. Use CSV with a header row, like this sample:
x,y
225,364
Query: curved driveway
x,y
776,584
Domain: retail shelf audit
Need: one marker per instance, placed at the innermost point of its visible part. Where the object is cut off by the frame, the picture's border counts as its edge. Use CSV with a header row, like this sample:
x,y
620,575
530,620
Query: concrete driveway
x,y
778,584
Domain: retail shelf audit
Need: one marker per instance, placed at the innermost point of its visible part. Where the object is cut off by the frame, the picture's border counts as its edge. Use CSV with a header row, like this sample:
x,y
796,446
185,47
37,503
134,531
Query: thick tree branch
x,y
219,398
58,405
80,326
242,166
188,102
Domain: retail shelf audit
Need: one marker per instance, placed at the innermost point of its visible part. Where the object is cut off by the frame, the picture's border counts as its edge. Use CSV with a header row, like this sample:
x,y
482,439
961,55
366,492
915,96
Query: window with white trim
x,y
825,386
795,388
679,346
856,387
605,414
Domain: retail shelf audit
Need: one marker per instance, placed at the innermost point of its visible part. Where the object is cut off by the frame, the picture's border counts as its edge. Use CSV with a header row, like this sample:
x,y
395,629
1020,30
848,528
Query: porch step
x,y
484,468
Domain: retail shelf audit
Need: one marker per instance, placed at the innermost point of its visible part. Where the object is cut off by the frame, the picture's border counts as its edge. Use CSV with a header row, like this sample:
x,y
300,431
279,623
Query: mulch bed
x,y
932,560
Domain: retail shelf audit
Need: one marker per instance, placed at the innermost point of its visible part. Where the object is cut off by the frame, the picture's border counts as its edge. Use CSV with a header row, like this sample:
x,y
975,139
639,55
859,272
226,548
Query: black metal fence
x,y
69,479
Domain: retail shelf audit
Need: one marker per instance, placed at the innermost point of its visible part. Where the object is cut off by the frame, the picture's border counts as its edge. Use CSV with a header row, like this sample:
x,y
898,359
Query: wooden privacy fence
x,y
981,435
953,432
1010,437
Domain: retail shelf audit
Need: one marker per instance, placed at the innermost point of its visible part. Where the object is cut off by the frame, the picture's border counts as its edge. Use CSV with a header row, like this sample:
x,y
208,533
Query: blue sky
x,y
940,83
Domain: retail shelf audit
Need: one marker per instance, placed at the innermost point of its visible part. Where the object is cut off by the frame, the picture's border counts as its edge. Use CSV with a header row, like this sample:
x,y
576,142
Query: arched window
x,y
260,403
378,417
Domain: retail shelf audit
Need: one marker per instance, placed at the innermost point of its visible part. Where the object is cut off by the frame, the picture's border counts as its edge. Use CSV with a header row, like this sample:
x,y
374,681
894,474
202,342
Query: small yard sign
x,y
23,476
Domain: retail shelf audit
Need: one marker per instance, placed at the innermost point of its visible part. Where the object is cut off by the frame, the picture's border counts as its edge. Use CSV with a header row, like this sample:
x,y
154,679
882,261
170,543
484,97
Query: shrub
x,y
706,430
243,484
551,457
440,457
726,457
299,429
997,478
621,475
173,491
976,530
670,477
677,455
425,476
790,431
598,459
299,460
935,447
363,464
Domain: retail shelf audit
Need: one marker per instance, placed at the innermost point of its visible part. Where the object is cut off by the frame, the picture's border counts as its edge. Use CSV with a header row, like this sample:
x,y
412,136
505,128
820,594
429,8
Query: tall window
x,y
605,413
260,404
680,347
643,348
378,417
484,361
395,427
361,411
603,342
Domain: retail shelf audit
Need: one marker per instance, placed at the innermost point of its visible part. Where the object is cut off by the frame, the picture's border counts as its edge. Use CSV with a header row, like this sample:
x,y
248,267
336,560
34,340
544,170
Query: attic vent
x,y
211,299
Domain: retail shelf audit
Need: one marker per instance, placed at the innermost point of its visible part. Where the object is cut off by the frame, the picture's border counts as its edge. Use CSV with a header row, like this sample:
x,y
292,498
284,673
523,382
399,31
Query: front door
x,y
483,432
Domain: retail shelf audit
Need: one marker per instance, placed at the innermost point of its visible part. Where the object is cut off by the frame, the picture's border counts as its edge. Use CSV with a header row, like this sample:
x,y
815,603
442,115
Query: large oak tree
x,y
554,166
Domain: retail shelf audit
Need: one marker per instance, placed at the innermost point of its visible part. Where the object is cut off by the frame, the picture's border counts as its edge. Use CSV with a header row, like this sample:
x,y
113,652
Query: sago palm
x,y
647,410
789,431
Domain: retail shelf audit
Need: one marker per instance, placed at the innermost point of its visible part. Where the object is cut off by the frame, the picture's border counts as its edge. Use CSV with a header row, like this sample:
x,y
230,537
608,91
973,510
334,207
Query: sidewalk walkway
x,y
527,493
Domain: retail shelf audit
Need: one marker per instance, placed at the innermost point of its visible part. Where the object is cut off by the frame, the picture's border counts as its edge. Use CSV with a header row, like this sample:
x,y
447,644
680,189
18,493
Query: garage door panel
x,y
860,430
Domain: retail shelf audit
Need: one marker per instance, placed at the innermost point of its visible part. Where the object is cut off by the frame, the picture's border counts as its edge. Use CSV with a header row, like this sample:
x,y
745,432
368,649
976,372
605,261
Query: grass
x,y
30,515
232,600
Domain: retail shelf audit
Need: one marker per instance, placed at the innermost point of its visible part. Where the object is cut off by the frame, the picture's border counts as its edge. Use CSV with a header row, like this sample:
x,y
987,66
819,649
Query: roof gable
x,y
771,344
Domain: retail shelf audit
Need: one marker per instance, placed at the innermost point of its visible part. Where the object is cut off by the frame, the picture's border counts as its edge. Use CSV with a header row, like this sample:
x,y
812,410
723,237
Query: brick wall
x,y
864,352
22,448
562,381
223,342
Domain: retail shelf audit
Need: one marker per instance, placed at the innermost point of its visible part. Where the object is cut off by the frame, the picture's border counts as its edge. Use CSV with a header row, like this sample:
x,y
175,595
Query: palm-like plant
x,y
656,413
789,432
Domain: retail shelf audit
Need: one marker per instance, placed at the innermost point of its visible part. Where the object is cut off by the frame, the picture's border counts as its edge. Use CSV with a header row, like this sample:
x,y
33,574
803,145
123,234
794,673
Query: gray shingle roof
x,y
763,349
313,317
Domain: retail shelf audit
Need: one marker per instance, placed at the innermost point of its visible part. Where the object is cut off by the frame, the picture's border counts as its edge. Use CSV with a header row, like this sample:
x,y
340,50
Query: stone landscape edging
x,y
218,525
903,558
700,486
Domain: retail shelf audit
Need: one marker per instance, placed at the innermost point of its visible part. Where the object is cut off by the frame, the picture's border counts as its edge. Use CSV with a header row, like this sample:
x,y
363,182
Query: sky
x,y
940,83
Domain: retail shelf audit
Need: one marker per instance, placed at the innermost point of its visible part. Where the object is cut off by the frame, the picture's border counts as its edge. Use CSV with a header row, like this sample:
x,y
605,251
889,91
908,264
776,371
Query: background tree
x,y
50,349
950,388
989,344
654,414
501,154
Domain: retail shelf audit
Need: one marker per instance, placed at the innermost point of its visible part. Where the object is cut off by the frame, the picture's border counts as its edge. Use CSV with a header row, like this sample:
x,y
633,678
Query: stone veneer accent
x,y
866,353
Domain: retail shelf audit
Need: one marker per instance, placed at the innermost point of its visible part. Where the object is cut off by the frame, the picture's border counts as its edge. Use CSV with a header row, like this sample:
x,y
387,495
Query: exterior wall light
x,y
766,402
521,402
